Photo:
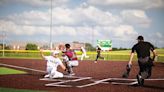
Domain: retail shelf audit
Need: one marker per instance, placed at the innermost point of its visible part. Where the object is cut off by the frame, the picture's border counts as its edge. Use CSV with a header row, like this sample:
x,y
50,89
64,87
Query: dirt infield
x,y
90,76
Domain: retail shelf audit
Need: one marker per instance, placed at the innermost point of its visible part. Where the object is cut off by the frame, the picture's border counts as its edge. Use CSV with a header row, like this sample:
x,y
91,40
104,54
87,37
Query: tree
x,y
89,47
31,46
5,47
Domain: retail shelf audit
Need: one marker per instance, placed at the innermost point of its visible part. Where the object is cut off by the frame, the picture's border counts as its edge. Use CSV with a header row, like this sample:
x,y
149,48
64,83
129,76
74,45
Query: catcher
x,y
70,59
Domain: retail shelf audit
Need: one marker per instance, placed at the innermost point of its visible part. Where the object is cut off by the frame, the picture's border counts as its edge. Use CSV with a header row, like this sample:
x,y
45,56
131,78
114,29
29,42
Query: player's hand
x,y
130,63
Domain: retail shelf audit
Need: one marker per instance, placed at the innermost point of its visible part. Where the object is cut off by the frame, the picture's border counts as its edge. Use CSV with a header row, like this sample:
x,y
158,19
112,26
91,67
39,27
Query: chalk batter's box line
x,y
116,79
95,82
61,79
62,82
59,84
120,83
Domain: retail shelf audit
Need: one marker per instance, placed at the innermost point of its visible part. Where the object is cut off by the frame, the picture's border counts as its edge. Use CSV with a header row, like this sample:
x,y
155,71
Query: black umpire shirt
x,y
142,49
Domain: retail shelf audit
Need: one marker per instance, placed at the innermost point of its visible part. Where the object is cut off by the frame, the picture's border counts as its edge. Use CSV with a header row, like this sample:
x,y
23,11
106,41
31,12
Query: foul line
x,y
25,68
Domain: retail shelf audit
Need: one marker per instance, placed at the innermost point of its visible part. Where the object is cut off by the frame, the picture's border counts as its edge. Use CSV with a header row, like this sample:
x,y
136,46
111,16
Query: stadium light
x,y
51,26
3,39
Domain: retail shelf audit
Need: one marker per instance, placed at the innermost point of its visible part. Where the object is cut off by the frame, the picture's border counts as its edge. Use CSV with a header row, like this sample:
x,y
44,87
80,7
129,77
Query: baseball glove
x,y
126,73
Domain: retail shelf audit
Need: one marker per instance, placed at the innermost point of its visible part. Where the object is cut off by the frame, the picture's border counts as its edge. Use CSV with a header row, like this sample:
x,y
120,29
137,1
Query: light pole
x,y
51,26
92,35
3,39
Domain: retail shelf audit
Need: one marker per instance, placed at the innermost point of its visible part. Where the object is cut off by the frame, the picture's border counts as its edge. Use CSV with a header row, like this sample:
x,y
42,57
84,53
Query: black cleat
x,y
140,80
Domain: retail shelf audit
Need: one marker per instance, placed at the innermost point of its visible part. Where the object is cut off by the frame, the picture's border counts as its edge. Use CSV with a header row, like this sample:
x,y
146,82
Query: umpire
x,y
145,62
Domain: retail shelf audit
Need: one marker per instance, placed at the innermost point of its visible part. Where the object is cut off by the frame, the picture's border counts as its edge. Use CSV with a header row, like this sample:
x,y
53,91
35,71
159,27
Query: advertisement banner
x,y
105,44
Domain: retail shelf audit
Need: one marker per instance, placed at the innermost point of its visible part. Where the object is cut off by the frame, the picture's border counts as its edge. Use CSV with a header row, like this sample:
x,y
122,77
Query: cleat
x,y
47,76
140,80
72,74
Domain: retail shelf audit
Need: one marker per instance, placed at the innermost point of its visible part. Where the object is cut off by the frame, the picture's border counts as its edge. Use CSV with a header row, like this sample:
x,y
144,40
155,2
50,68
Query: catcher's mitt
x,y
126,73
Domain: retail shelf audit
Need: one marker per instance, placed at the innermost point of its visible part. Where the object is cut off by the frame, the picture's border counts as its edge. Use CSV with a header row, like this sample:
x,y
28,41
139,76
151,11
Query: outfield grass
x,y
6,71
122,55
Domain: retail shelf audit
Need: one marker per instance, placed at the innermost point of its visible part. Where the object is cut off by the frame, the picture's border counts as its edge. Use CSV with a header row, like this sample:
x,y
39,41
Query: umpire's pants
x,y
145,65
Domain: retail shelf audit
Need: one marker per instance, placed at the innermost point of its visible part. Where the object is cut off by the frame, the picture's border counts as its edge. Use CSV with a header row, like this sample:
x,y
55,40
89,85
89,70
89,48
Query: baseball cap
x,y
140,38
55,52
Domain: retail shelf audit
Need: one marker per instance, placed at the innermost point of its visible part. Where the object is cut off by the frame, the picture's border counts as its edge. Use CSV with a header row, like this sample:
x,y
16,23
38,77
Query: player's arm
x,y
154,55
62,66
131,58
42,55
154,52
131,55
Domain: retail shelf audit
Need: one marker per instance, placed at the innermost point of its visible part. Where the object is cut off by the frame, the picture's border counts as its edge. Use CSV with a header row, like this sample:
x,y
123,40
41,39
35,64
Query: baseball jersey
x,y
83,50
71,55
52,61
142,49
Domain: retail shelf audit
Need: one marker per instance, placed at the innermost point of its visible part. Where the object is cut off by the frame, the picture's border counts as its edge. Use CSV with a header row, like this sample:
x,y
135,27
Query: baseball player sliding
x,y
52,63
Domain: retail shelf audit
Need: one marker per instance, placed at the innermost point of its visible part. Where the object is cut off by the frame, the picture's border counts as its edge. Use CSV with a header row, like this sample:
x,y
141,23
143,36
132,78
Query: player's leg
x,y
55,73
49,69
139,76
82,56
101,57
97,58
72,64
66,63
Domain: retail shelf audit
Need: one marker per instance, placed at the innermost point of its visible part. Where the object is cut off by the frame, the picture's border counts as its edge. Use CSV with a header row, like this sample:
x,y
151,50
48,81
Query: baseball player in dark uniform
x,y
145,61
98,49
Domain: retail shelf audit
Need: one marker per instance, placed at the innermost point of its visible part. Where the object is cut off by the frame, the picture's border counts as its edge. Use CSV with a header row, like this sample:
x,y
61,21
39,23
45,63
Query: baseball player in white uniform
x,y
52,63
84,54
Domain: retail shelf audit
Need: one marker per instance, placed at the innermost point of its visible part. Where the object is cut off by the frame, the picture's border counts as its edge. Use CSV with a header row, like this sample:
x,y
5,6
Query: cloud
x,y
136,17
30,18
36,3
138,4
156,39
65,16
79,23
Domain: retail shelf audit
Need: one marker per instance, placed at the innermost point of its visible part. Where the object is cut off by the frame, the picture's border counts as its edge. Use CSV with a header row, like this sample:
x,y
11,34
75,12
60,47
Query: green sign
x,y
105,44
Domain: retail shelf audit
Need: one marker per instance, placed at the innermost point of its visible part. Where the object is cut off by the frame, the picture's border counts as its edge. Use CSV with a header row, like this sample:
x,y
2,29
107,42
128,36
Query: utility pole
x,y
92,35
51,26
3,39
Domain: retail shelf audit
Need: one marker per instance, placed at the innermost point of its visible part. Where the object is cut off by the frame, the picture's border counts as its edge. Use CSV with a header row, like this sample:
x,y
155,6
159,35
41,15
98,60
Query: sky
x,y
121,21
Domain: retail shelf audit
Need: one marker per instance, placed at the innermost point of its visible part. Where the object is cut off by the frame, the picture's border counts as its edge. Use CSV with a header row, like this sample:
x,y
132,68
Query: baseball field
x,y
26,75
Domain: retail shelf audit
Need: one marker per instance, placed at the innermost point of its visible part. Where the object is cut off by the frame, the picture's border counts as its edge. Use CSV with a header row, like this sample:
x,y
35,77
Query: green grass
x,y
4,71
122,55
18,90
